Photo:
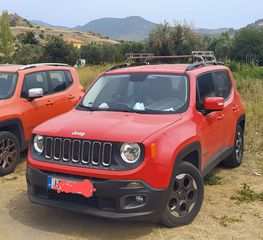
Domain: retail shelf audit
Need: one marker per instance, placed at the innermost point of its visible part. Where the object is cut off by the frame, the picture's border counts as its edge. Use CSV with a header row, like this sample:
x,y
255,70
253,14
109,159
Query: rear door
x,y
62,91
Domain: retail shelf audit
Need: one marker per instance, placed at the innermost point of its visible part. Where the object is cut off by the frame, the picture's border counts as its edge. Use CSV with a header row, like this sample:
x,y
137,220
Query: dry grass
x,y
65,33
88,74
251,90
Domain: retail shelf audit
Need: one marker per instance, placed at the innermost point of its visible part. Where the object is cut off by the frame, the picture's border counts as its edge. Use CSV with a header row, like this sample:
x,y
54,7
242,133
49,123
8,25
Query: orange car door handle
x,y
221,117
49,102
71,96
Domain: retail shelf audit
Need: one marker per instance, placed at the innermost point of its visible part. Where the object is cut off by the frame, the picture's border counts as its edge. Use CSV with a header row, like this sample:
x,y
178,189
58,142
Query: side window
x,y
57,81
68,77
35,80
205,86
223,84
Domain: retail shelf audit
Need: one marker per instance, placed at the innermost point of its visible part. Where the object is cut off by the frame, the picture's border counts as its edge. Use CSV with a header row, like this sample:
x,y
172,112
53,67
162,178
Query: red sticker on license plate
x,y
84,188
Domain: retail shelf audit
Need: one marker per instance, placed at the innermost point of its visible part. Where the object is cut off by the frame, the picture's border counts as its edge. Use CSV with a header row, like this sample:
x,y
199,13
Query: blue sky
x,y
202,13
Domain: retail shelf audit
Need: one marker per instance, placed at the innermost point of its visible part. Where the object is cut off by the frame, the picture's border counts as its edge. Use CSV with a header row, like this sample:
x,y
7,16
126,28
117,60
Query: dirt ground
x,y
220,217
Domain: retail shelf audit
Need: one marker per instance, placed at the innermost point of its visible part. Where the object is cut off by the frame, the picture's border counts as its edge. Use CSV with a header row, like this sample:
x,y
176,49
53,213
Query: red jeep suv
x,y
140,142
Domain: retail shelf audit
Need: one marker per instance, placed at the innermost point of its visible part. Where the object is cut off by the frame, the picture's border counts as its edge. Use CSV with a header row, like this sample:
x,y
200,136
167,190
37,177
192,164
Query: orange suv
x,y
30,95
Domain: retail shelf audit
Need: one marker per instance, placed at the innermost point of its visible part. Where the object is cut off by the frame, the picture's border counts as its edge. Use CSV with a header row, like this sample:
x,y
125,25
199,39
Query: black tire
x,y
9,153
185,197
236,157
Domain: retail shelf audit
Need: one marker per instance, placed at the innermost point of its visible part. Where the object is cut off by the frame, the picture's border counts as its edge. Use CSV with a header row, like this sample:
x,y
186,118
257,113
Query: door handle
x,y
49,102
71,96
235,108
221,117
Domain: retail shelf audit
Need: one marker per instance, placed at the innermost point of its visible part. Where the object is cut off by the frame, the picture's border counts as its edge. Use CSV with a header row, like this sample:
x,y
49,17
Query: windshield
x,y
7,84
138,92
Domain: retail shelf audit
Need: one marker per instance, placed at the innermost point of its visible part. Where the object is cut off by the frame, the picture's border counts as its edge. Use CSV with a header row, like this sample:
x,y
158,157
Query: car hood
x,y
2,102
108,126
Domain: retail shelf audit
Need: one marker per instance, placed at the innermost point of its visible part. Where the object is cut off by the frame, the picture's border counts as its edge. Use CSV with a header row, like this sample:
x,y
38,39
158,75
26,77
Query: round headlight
x,y
39,143
130,152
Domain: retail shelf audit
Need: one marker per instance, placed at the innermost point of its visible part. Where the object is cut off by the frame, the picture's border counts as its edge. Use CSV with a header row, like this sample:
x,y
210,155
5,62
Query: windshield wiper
x,y
127,110
81,106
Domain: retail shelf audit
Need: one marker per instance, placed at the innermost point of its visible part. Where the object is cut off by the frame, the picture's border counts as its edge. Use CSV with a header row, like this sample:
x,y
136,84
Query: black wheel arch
x,y
192,154
15,126
242,122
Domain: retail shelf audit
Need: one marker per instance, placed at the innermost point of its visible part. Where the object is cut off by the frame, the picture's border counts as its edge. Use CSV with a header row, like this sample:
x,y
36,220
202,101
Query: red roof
x,y
165,68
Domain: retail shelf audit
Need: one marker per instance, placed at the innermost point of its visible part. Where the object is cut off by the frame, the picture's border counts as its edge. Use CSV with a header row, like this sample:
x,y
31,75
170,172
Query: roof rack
x,y
43,64
138,56
197,59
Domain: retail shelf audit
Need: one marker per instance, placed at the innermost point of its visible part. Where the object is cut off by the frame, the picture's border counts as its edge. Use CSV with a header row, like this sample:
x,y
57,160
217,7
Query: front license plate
x,y
84,187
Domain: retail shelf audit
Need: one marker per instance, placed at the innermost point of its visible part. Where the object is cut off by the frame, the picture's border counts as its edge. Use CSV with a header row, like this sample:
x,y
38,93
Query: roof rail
x,y
195,65
127,65
43,64
119,66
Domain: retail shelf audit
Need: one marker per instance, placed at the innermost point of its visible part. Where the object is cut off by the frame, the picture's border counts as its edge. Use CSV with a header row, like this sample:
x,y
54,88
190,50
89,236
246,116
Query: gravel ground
x,y
220,217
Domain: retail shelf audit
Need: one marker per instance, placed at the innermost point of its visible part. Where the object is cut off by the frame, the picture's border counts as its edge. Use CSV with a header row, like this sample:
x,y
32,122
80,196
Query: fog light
x,y
133,201
139,199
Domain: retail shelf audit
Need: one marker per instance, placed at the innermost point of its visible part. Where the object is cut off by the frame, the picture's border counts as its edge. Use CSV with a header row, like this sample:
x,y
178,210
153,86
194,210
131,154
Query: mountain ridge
x,y
133,28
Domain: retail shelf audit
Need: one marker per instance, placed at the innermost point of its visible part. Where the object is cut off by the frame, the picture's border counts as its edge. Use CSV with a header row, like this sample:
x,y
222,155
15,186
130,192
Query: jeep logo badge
x,y
75,133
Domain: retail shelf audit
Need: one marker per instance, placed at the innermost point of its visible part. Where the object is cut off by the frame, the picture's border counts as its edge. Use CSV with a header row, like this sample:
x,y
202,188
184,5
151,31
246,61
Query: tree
x,y
183,40
174,40
158,40
28,54
128,47
248,45
57,50
6,37
108,53
92,53
28,37
221,45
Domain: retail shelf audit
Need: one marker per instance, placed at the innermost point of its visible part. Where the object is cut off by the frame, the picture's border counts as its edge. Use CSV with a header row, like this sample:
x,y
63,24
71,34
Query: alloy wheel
x,y
183,196
8,153
239,146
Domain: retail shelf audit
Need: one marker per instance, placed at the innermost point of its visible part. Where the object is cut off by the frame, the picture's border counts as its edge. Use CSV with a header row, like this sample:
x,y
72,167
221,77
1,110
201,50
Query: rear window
x,y
7,84
223,84
60,80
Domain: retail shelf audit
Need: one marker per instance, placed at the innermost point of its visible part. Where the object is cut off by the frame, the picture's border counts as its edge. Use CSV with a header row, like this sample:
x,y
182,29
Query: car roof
x,y
166,68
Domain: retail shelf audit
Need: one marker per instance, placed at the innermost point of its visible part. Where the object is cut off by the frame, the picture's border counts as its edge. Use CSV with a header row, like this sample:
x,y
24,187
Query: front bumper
x,y
112,199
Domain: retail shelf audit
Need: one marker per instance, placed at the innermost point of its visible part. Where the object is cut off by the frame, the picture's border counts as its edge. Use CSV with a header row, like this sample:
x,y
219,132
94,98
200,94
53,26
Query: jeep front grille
x,y
81,152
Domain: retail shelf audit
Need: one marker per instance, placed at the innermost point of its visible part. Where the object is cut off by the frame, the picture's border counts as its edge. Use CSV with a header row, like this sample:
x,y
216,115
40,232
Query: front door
x,y
210,126
38,110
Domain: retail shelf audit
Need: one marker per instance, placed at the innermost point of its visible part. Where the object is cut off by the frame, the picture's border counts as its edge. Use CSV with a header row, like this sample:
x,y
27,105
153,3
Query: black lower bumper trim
x,y
112,199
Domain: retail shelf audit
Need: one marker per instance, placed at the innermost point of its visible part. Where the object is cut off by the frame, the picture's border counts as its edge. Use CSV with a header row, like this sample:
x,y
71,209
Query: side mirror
x,y
214,104
35,93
